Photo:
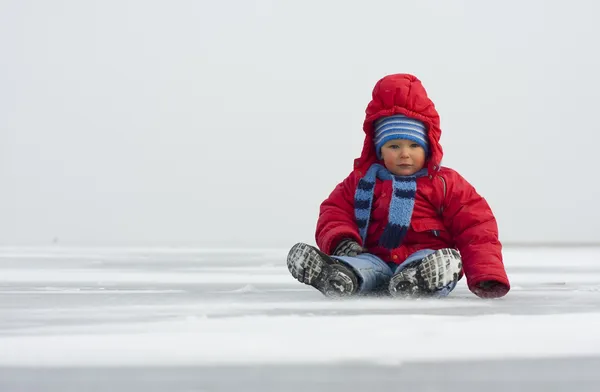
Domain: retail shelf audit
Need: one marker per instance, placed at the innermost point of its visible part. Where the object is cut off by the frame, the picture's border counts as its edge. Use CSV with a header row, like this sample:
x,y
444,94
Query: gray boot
x,y
313,267
440,270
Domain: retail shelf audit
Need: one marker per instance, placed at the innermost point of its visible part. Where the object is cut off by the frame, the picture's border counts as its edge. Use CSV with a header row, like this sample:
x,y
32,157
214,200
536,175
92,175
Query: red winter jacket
x,y
448,212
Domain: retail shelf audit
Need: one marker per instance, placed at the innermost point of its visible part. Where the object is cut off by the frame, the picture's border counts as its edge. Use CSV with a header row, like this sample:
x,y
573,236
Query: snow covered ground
x,y
225,320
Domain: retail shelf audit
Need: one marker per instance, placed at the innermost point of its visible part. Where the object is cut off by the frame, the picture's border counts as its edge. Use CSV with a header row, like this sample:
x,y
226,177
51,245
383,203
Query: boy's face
x,y
403,157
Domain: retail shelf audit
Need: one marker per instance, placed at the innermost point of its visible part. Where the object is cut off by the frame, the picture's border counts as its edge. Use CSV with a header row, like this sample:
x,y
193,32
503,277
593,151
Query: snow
x,y
393,339
132,308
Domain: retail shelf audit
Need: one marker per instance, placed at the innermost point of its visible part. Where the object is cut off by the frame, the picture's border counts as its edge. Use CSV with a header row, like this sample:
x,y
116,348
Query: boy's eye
x,y
414,145
393,146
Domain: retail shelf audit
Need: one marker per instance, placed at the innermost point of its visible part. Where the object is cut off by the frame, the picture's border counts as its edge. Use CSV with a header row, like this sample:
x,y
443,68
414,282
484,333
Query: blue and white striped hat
x,y
399,126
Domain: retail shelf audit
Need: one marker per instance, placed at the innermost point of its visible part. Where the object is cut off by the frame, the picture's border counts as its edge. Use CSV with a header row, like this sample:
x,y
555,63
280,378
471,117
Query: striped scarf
x,y
401,205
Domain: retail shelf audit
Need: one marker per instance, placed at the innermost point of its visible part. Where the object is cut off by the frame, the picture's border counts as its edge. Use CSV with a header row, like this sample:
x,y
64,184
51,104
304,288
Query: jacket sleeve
x,y
336,217
475,231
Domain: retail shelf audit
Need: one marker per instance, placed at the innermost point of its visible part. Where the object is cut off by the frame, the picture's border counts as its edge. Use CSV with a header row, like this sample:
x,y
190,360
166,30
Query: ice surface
x,y
102,309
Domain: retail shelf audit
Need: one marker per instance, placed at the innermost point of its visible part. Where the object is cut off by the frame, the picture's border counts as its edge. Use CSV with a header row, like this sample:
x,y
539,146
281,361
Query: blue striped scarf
x,y
401,204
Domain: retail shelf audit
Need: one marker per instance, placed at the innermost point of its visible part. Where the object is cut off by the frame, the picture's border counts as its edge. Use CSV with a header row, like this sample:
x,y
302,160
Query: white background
x,y
226,123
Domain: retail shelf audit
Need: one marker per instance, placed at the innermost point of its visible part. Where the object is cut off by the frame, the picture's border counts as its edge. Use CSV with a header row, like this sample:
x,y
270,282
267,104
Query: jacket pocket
x,y
432,226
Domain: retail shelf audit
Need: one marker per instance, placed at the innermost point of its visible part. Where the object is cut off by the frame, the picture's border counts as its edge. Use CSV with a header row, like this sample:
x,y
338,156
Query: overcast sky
x,y
226,123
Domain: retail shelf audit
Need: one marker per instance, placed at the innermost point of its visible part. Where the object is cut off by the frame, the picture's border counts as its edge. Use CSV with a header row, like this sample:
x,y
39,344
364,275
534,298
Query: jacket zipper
x,y
442,204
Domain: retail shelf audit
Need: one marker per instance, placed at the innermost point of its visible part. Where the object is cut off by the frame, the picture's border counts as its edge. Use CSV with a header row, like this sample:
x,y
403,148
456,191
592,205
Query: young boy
x,y
400,223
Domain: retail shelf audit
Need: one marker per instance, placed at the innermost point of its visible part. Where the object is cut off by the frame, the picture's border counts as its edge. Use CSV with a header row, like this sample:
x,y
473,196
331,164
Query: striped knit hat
x,y
399,126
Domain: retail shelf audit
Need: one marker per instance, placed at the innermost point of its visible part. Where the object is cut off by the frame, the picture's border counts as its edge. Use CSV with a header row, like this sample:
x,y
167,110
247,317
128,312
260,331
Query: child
x,y
400,223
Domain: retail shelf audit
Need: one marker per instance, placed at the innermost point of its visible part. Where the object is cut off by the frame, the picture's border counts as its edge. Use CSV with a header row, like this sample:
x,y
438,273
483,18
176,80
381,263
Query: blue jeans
x,y
375,274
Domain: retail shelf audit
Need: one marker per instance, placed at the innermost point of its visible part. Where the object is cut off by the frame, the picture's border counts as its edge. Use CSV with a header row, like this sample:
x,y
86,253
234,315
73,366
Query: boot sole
x,y
312,267
440,268
435,272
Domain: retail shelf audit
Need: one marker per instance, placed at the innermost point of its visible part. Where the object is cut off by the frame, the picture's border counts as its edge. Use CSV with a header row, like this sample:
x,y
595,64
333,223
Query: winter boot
x,y
328,275
436,273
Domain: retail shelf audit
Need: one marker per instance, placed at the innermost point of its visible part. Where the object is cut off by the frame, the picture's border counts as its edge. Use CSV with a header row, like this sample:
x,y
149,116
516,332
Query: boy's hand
x,y
491,289
348,248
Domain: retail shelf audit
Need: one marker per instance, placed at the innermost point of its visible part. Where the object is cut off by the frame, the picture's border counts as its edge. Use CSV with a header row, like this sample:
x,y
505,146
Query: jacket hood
x,y
401,94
